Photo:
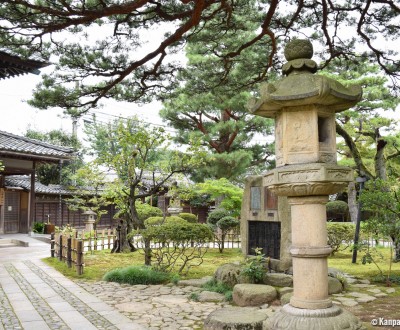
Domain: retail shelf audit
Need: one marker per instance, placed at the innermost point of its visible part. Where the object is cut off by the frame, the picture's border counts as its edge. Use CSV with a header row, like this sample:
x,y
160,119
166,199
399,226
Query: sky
x,y
18,115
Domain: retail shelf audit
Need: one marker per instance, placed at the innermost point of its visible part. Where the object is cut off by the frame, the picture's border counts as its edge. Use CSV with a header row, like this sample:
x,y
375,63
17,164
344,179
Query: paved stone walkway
x,y
35,296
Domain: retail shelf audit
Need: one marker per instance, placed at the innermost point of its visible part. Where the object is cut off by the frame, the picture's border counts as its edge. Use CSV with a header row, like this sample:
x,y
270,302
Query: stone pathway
x,y
160,307
155,306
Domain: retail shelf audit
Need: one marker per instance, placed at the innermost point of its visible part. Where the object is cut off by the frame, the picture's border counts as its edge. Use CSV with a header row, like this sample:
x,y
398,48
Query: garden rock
x,y
285,298
236,318
284,290
334,285
278,279
253,294
228,274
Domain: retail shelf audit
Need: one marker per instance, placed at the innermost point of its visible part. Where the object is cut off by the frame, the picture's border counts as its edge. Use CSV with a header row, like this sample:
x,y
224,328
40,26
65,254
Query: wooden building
x,y
19,156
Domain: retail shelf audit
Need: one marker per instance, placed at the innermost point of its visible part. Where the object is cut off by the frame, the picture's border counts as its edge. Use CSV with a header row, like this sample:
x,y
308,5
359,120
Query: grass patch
x,y
137,275
342,260
99,263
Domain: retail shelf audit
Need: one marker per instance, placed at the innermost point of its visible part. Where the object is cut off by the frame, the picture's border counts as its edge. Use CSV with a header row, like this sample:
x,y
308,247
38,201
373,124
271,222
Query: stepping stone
x,y
380,295
362,285
366,299
253,294
374,290
347,301
236,318
391,290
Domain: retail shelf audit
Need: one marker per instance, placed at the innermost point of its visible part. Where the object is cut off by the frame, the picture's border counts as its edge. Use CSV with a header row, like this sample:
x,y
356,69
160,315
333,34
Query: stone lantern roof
x,y
302,87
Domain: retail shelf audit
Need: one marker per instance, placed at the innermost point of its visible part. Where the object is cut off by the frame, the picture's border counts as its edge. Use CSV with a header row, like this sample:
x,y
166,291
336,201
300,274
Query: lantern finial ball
x,y
299,48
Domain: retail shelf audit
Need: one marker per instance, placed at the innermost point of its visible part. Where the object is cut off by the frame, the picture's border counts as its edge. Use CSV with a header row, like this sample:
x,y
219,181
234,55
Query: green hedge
x,y
340,235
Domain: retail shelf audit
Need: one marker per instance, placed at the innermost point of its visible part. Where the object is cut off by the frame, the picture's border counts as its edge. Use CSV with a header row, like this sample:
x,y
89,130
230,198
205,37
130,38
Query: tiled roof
x,y
12,65
11,144
24,182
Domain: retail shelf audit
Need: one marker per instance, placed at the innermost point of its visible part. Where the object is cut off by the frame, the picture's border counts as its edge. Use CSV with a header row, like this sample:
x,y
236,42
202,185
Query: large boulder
x,y
278,279
253,294
228,274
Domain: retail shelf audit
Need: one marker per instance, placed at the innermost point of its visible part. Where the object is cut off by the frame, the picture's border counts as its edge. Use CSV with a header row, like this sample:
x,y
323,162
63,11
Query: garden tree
x,y
50,173
215,111
370,140
89,191
222,222
225,194
181,244
101,44
382,199
142,160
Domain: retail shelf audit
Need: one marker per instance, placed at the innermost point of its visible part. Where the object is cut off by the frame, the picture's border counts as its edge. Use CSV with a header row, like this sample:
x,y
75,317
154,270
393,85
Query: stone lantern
x,y
304,105
90,219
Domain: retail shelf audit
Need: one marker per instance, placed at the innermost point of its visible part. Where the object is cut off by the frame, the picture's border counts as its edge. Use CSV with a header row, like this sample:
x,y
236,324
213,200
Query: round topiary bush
x,y
189,217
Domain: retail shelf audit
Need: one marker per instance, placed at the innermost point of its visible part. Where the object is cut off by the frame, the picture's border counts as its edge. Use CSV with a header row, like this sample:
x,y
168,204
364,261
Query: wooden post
x,y
103,234
95,240
69,252
52,244
79,257
108,238
60,247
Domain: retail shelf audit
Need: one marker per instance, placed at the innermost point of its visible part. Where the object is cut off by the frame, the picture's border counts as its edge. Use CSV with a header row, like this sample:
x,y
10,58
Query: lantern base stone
x,y
332,318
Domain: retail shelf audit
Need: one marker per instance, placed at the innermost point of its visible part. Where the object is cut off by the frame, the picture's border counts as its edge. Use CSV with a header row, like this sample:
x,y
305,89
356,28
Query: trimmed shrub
x,y
146,211
136,275
180,244
216,215
340,235
189,217
153,221
336,208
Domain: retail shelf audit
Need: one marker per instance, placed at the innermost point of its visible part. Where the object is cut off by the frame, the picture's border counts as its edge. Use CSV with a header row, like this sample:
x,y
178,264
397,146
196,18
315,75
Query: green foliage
x,y
153,221
340,235
216,215
89,191
134,275
369,132
254,267
337,207
228,223
215,286
38,227
228,195
189,217
221,221
215,110
178,244
146,211
54,173
382,199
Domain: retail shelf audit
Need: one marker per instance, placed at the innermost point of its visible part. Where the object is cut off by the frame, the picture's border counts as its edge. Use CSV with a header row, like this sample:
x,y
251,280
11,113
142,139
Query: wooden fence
x,y
70,247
